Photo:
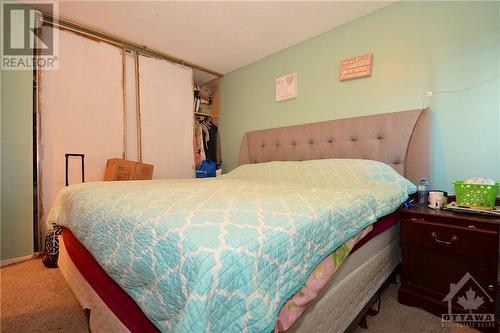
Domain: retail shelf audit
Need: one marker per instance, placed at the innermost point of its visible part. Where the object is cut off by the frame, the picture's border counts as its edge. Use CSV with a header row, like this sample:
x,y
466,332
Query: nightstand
x,y
450,266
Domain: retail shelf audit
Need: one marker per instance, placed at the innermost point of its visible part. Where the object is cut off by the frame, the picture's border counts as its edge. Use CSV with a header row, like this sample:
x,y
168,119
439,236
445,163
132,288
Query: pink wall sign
x,y
356,67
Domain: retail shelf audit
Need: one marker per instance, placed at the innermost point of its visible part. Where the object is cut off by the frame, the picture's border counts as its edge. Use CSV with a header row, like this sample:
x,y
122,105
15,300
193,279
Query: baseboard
x,y
11,261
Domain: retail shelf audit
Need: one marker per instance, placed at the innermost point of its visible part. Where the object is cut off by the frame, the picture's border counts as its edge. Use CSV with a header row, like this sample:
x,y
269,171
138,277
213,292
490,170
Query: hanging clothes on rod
x,y
211,142
206,143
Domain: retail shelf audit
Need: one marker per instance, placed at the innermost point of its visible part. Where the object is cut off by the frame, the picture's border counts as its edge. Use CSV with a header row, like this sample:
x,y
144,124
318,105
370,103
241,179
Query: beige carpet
x,y
37,299
397,318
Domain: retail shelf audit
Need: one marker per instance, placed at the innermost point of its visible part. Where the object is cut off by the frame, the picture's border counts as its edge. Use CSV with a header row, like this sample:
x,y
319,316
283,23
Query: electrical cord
x,y
456,91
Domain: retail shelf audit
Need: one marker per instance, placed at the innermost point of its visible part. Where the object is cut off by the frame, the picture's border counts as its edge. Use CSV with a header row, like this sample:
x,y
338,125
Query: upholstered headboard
x,y
400,139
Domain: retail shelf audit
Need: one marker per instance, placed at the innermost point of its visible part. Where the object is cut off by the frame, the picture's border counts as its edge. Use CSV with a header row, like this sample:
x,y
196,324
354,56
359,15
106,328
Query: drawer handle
x,y
453,239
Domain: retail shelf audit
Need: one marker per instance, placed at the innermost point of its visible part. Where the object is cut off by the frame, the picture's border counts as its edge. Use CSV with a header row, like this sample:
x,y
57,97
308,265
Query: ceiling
x,y
221,36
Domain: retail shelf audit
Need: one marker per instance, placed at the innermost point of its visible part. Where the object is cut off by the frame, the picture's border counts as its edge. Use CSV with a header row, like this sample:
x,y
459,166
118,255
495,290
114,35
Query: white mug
x,y
436,199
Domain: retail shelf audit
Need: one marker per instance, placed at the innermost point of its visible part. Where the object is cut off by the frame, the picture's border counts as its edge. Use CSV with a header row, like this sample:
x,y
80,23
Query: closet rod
x,y
57,21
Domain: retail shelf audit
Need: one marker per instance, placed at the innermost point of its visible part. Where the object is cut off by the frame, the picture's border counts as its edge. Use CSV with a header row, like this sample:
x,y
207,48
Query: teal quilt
x,y
224,254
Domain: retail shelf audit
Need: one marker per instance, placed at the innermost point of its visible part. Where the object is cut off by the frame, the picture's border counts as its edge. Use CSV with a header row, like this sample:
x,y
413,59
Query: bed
x,y
399,139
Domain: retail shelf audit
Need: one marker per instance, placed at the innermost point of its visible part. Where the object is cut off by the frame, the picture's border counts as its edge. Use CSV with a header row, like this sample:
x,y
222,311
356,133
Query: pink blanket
x,y
296,305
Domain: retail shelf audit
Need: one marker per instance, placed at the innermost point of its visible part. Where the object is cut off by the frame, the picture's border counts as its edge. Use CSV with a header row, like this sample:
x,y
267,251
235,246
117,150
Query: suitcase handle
x,y
82,156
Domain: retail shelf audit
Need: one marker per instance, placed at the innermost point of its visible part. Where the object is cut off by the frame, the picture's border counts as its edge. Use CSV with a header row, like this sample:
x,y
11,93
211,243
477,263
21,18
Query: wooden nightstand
x,y
440,248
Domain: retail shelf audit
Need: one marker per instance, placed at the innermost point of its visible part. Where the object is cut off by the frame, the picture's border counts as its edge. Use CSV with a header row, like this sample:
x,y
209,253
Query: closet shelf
x,y
201,114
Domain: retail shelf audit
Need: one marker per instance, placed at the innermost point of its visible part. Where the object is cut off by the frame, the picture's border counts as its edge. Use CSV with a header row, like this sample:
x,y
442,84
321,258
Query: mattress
x,y
227,254
113,301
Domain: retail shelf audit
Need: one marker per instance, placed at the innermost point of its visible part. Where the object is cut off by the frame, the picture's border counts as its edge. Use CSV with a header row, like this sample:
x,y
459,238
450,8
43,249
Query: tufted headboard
x,y
399,139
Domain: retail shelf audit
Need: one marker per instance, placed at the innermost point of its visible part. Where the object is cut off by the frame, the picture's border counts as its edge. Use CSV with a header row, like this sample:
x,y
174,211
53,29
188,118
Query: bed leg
x,y
362,323
372,311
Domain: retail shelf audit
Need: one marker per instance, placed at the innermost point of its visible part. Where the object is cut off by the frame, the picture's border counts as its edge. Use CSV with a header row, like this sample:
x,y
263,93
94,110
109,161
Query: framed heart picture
x,y
286,87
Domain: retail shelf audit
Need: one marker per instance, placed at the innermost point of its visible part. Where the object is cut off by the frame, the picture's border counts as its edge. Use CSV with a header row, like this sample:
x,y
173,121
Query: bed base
x,y
101,318
360,319
350,299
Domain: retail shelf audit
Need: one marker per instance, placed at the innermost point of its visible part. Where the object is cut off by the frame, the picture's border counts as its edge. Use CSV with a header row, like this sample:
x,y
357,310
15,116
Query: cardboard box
x,y
120,169
143,171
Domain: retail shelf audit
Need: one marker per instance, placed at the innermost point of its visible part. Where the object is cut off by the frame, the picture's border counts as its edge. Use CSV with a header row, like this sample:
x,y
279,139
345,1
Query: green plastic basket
x,y
476,195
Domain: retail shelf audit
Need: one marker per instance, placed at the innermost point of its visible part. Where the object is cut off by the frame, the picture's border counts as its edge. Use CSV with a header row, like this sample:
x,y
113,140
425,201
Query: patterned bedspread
x,y
224,255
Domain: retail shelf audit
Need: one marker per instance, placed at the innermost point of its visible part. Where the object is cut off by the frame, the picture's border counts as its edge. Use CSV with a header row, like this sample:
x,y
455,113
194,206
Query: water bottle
x,y
423,191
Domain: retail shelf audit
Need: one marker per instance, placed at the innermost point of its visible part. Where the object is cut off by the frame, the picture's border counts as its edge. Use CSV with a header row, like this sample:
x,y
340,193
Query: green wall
x,y
16,165
16,168
417,47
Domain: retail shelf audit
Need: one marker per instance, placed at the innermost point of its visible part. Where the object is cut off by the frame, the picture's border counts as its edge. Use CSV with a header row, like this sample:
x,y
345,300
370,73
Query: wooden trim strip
x,y
38,239
138,107
124,97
